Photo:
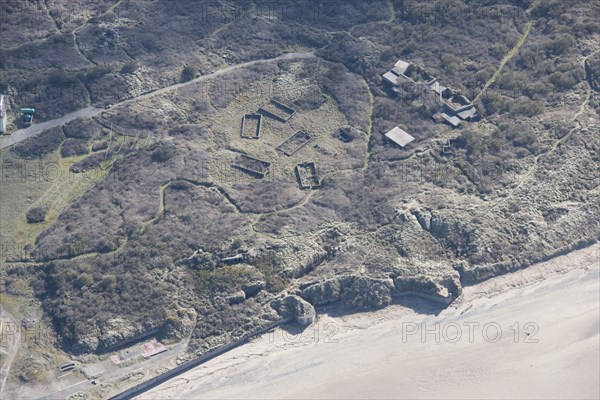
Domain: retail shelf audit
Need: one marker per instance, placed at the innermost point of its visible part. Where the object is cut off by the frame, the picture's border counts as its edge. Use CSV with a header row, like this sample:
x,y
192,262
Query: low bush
x,y
74,147
100,145
36,215
129,67
163,153
44,143
560,44
81,129
188,73
61,77
526,107
95,73
90,162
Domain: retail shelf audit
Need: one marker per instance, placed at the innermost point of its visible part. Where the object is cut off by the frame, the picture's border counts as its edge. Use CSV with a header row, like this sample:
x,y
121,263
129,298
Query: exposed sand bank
x,y
474,348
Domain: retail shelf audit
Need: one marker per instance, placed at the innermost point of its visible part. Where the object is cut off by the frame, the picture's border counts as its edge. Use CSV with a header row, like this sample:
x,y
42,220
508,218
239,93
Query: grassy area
x,y
319,123
12,304
48,184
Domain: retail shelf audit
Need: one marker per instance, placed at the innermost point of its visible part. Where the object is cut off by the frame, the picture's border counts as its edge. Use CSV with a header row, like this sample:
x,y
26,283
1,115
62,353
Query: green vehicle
x,y
27,116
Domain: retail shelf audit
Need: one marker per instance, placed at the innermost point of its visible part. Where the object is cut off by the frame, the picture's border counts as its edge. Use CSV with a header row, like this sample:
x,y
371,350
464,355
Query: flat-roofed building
x,y
402,65
469,114
396,75
390,78
399,136
453,120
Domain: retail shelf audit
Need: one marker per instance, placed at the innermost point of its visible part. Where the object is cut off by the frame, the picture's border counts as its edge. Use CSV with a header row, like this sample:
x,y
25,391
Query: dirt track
x,y
91,111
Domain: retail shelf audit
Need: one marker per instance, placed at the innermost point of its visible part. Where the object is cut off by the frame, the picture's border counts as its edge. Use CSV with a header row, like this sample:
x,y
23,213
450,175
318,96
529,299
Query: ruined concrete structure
x,y
345,135
456,108
294,143
251,129
251,126
307,175
238,258
252,166
276,110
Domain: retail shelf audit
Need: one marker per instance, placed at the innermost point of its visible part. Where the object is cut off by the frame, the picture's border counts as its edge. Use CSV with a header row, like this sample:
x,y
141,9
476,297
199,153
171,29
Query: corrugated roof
x,y
399,136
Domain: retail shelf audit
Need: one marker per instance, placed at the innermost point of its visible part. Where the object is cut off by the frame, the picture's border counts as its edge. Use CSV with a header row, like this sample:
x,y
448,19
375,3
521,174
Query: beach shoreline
x,y
528,334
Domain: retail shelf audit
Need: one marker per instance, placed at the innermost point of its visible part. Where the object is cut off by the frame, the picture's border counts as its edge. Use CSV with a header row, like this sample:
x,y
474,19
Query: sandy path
x,y
553,352
10,341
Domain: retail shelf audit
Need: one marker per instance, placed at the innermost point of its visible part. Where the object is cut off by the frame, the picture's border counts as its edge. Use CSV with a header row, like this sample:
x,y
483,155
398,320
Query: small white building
x,y
395,76
399,136
402,66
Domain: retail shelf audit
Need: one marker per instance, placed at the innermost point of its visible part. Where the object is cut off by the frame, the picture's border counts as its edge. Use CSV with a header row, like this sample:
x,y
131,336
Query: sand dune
x,y
398,352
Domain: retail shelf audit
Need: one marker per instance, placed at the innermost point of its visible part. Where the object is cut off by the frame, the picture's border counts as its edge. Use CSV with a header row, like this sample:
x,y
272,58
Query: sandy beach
x,y
529,334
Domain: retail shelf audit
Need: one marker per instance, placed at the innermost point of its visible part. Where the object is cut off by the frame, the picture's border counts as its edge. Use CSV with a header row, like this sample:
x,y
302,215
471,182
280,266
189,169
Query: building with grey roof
x,y
399,136
452,120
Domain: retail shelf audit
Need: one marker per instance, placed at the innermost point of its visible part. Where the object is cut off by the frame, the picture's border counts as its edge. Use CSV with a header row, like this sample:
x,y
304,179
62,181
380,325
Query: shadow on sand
x,y
336,309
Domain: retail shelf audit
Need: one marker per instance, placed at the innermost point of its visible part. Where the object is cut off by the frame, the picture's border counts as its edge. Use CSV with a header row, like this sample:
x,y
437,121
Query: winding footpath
x,y
558,142
506,58
91,111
